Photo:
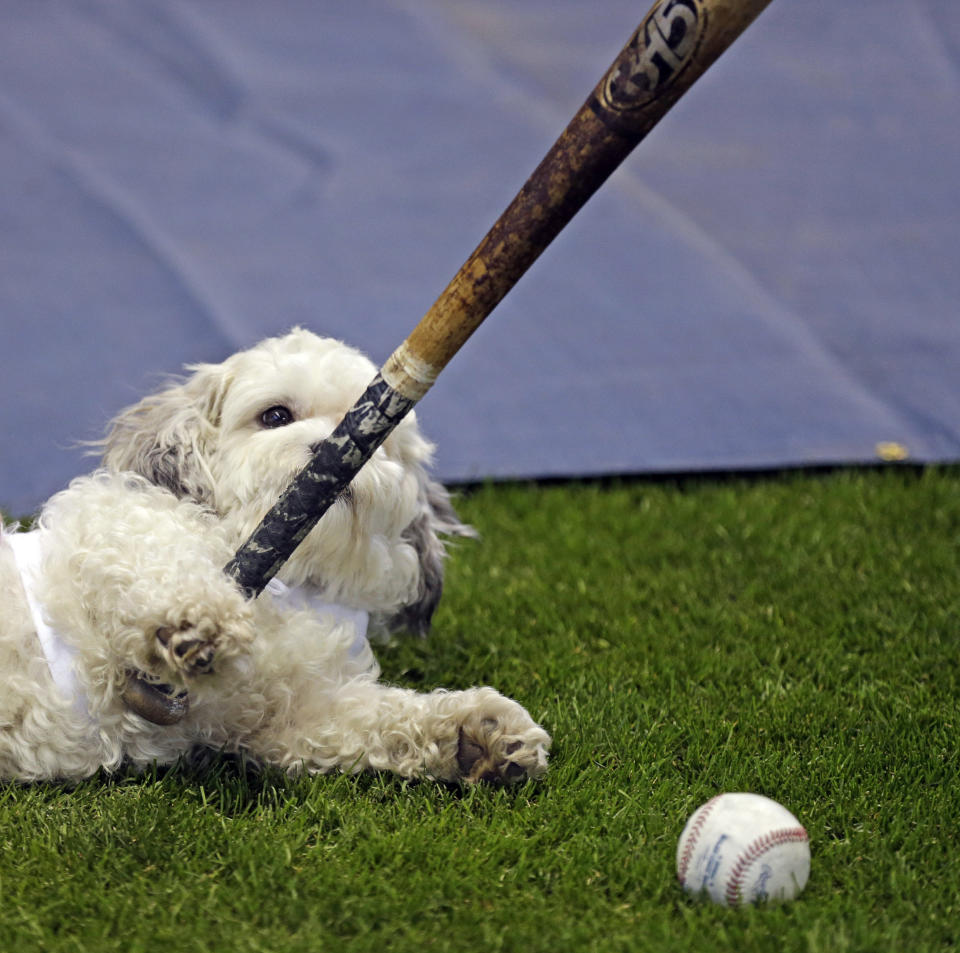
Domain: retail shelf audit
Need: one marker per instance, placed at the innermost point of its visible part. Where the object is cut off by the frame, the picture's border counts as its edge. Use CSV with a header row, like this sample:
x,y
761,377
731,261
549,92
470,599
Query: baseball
x,y
743,848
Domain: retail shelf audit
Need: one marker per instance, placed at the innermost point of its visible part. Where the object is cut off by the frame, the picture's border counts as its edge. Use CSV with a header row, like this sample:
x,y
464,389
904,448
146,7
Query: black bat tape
x,y
335,462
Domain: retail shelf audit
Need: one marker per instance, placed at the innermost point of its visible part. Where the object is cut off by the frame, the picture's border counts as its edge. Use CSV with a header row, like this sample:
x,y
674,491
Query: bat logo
x,y
656,55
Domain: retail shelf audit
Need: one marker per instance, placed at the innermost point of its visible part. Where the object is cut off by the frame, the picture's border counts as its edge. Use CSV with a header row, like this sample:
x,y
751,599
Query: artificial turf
x,y
793,635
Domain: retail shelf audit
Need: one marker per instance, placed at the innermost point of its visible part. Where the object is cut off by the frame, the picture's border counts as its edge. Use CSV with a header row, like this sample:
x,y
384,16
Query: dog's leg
x,y
472,735
134,577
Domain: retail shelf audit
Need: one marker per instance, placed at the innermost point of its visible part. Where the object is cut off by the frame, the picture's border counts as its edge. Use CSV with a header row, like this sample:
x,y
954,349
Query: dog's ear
x,y
437,518
167,437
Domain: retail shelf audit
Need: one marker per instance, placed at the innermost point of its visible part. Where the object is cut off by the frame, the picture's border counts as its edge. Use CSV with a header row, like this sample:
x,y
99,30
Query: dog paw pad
x,y
484,757
186,650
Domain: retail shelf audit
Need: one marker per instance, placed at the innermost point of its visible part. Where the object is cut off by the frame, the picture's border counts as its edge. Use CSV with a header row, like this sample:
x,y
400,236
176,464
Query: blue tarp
x,y
770,280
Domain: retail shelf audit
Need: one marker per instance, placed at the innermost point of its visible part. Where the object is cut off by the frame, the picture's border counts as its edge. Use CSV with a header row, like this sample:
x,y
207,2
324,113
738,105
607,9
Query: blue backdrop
x,y
770,280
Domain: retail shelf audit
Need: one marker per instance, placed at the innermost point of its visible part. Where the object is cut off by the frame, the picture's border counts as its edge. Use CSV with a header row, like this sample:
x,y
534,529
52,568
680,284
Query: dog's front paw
x,y
191,647
498,742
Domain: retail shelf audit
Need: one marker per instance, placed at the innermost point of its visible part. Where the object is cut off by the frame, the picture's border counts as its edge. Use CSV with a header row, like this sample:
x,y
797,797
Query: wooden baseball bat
x,y
675,44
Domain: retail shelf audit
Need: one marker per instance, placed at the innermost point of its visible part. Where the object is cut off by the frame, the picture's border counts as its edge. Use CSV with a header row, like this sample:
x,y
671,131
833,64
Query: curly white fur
x,y
132,580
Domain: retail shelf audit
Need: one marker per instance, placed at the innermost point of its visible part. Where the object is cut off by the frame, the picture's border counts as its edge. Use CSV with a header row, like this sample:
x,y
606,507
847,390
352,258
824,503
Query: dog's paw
x,y
192,647
498,742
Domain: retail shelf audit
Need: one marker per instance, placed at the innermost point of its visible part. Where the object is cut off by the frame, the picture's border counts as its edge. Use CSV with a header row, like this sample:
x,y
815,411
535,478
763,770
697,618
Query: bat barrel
x,y
675,44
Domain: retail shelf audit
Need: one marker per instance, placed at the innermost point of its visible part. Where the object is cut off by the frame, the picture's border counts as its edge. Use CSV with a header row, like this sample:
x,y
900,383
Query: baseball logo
x,y
656,55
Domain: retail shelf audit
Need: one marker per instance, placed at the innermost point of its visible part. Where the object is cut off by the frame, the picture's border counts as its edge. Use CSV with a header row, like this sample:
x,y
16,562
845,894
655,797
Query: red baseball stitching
x,y
755,850
698,823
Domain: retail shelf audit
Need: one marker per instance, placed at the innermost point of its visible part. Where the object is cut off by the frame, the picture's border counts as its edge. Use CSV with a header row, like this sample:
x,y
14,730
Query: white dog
x,y
121,589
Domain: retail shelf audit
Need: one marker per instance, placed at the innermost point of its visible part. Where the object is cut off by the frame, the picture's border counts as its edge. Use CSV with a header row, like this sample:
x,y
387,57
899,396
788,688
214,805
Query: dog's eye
x,y
278,416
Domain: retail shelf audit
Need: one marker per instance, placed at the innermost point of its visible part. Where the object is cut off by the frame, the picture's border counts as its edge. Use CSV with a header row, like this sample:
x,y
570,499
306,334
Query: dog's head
x,y
232,435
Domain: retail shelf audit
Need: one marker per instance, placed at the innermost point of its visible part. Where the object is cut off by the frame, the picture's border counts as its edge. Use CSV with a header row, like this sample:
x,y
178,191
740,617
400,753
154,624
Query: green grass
x,y
794,636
